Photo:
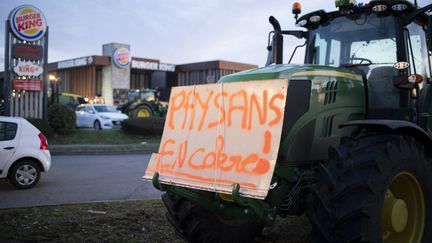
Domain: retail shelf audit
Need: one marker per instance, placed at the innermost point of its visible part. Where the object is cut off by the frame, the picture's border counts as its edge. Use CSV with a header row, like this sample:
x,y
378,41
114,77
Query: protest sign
x,y
218,135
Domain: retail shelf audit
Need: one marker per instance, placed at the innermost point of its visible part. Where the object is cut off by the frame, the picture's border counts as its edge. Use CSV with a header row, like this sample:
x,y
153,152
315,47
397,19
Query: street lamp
x,y
54,80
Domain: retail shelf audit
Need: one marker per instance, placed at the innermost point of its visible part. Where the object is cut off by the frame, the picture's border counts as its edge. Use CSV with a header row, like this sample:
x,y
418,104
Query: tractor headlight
x,y
379,8
401,5
312,20
315,19
401,65
302,23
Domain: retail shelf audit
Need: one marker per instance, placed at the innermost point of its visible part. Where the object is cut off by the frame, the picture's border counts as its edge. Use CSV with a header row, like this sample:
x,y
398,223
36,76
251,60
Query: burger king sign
x,y
121,57
27,23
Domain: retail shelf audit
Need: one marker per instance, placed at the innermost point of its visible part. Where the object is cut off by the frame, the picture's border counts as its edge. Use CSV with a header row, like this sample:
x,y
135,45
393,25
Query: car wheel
x,y
97,125
24,174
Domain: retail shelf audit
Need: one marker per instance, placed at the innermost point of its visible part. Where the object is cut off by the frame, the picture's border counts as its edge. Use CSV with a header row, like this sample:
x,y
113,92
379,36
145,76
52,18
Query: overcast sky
x,y
174,31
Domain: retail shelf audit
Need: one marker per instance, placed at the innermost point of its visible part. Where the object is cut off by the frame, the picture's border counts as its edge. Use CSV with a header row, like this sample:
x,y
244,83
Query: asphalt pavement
x,y
84,178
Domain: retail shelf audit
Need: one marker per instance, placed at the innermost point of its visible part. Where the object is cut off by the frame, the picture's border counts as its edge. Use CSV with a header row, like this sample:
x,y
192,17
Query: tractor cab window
x,y
365,45
417,50
367,41
147,94
377,51
324,47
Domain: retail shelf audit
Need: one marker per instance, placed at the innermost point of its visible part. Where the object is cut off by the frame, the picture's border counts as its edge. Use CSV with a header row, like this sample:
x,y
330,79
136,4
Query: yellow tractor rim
x,y
403,214
143,113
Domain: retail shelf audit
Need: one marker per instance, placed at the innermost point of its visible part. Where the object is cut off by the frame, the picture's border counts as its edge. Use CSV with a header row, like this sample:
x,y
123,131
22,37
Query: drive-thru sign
x,y
219,135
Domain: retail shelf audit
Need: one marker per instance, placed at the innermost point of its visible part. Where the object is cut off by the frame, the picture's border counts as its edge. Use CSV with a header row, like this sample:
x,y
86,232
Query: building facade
x,y
114,73
207,72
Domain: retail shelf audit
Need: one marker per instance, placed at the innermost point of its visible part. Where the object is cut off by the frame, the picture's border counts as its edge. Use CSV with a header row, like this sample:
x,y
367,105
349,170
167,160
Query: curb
x,y
97,149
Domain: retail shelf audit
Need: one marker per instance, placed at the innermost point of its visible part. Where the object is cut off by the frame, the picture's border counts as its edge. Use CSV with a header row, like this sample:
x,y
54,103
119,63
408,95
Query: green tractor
x,y
144,103
355,152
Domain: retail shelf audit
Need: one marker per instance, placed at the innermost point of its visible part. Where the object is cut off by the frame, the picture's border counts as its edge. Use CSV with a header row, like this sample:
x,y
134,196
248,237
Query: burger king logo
x,y
27,23
121,57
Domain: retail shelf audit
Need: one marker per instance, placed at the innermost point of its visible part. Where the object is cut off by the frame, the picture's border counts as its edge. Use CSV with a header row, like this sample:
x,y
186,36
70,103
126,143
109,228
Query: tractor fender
x,y
137,103
396,126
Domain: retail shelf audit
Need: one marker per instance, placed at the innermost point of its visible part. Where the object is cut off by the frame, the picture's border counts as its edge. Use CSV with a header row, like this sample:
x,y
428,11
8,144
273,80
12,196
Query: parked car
x,y
24,152
71,100
98,116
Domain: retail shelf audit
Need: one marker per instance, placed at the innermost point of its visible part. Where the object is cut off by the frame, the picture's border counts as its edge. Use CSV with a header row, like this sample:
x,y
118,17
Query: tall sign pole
x,y
7,81
45,78
26,59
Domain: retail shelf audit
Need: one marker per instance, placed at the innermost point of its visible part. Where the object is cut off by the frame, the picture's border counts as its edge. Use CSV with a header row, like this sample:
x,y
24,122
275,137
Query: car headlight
x,y
105,117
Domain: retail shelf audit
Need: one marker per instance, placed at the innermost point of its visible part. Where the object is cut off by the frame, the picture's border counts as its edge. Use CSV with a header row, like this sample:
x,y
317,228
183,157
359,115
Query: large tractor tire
x,y
196,224
142,111
374,189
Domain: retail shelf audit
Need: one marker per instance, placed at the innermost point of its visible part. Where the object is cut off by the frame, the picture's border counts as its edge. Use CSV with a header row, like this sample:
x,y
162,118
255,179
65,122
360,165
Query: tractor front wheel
x,y
374,189
197,224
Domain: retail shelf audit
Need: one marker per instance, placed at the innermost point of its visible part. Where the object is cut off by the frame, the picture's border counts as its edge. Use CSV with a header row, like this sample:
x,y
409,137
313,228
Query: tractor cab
x,y
387,42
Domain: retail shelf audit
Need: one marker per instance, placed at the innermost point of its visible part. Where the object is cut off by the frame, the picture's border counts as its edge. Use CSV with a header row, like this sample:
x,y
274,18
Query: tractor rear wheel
x,y
197,224
143,111
374,189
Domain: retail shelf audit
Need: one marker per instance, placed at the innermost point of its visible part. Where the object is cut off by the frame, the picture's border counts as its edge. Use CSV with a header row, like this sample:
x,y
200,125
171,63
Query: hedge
x,y
43,126
62,119
146,126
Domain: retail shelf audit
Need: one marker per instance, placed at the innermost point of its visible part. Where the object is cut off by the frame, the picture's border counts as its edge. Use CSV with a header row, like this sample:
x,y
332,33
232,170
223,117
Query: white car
x,y
98,116
24,152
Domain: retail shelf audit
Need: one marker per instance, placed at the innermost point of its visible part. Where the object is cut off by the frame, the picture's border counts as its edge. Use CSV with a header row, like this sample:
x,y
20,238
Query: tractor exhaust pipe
x,y
276,48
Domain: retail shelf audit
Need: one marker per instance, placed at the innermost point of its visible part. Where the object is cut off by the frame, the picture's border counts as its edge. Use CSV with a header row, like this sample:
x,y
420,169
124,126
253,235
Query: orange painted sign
x,y
218,135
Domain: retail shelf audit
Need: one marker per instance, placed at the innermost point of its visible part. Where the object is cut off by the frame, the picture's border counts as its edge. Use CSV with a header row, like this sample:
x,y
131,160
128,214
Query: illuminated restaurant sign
x,y
121,57
147,65
27,23
83,61
166,67
25,51
27,84
26,63
28,69
152,65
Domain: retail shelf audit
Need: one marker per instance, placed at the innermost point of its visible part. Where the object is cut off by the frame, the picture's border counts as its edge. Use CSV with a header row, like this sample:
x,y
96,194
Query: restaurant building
x,y
112,74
